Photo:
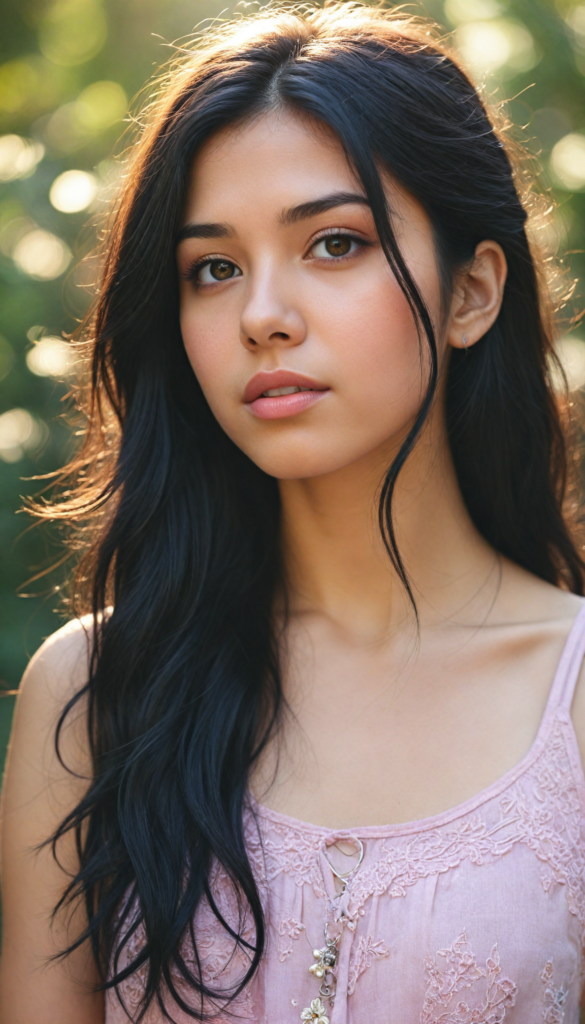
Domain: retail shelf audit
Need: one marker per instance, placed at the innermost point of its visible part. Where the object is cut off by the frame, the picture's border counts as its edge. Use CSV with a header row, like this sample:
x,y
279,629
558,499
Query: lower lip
x,y
284,405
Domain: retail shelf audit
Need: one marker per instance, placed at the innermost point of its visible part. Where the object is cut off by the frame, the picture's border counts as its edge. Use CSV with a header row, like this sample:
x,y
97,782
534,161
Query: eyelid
x,y
350,232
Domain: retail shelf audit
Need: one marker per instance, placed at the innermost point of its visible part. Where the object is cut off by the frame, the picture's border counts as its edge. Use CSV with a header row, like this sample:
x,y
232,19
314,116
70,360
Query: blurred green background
x,y
68,71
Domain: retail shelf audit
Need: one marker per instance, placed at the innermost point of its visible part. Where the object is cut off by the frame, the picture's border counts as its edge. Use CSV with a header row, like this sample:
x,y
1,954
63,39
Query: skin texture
x,y
383,726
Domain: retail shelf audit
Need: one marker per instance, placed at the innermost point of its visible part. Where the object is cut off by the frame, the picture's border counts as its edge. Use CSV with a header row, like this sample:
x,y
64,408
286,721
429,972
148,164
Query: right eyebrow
x,y
205,231
316,206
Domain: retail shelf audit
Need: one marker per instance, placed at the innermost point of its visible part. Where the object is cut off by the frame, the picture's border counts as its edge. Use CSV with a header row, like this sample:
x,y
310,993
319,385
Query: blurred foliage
x,y
68,69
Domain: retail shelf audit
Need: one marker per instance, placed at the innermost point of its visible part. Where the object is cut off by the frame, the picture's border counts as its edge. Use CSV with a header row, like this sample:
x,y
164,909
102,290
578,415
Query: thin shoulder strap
x,y
569,667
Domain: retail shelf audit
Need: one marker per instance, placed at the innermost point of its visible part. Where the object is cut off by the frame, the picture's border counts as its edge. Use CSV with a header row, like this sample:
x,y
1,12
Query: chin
x,y
300,464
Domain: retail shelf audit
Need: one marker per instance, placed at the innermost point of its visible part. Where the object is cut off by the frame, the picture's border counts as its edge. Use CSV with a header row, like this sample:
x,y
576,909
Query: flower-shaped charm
x,y
315,1014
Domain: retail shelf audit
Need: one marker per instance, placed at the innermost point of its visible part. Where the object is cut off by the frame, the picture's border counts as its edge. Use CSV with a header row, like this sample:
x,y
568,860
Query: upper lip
x,y
266,380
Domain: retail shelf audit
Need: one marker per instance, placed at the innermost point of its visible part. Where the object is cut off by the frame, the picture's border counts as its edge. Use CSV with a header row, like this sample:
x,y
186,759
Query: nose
x,y
268,318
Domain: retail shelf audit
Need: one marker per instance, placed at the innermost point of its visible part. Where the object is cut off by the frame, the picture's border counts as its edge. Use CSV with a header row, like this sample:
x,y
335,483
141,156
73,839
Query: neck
x,y
336,561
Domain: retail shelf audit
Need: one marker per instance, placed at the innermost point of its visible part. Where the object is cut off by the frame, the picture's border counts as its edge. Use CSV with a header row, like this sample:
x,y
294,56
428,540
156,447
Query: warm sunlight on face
x,y
299,335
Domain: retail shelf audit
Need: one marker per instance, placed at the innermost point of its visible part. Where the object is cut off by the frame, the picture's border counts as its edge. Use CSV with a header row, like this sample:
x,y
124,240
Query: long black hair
x,y
183,568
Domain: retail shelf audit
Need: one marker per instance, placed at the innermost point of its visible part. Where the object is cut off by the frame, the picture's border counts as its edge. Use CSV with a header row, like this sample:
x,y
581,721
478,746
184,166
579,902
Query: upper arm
x,y
38,793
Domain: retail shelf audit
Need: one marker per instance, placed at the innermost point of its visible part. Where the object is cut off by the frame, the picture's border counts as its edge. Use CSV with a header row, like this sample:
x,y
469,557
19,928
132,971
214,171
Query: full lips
x,y
285,405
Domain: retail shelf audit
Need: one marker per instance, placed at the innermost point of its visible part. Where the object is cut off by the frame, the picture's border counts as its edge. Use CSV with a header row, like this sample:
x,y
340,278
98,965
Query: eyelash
x,y
362,243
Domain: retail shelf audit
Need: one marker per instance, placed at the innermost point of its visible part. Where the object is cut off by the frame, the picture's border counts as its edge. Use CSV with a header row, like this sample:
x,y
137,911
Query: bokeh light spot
x,y
488,46
73,191
18,157
571,352
97,108
42,255
20,432
101,105
575,19
567,162
50,357
72,31
460,11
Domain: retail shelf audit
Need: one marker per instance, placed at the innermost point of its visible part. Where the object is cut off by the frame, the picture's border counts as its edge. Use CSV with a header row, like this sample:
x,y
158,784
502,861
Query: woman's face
x,y
302,341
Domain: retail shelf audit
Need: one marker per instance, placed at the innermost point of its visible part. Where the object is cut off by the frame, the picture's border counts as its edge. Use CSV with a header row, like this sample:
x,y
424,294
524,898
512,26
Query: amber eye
x,y
338,245
215,270
221,270
334,245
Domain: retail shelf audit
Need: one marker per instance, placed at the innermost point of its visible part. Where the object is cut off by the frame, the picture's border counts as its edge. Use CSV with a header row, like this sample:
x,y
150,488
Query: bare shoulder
x,y
552,612
525,597
44,782
61,663
55,674
563,609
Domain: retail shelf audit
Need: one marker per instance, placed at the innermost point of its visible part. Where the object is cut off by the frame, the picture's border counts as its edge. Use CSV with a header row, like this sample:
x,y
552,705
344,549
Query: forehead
x,y
247,175
277,157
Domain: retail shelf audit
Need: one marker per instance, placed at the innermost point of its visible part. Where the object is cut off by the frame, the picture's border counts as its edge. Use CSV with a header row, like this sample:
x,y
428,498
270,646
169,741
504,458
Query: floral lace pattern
x,y
430,853
492,994
288,930
278,849
551,821
366,953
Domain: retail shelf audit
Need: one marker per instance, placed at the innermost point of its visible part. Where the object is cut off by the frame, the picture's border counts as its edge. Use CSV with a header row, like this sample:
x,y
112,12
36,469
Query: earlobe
x,y
462,342
477,297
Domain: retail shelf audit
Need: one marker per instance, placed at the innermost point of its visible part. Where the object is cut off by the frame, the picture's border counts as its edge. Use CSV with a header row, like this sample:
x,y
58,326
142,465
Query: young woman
x,y
318,752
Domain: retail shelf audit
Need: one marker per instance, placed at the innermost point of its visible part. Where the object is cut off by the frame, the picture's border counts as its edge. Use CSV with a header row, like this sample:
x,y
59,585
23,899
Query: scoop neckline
x,y
472,803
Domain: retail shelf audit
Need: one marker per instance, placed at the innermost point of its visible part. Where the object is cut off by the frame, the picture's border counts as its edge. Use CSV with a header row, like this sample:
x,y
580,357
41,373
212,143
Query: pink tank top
x,y
473,916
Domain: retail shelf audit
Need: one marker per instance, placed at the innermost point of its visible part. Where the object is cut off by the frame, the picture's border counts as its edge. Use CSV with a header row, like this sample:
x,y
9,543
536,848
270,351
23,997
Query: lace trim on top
x,y
542,810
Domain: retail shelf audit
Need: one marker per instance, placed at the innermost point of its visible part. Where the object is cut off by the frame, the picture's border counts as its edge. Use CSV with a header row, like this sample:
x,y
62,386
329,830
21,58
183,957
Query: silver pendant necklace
x,y
324,968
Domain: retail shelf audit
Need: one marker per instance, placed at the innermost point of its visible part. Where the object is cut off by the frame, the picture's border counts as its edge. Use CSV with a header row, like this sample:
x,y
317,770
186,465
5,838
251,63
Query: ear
x,y
477,296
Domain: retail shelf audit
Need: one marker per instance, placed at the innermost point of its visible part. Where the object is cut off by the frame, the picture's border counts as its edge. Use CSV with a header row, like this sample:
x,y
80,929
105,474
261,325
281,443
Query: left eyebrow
x,y
322,205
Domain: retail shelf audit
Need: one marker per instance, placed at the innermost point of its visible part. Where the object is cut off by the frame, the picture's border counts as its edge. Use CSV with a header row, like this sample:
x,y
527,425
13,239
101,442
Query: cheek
x,y
377,351
211,342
